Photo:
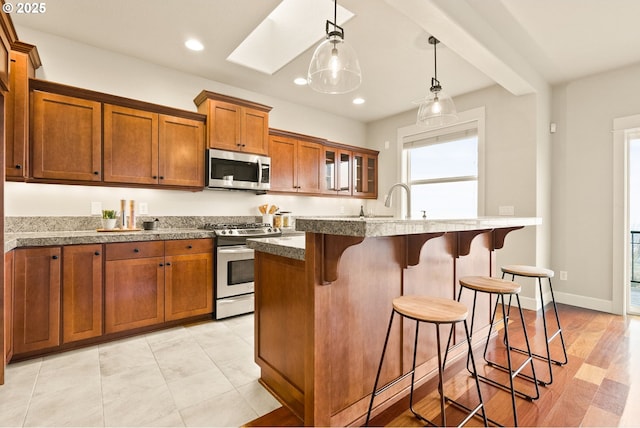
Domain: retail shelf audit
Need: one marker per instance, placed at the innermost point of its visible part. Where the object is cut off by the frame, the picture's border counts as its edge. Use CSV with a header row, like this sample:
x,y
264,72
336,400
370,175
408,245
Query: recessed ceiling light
x,y
300,81
358,100
194,45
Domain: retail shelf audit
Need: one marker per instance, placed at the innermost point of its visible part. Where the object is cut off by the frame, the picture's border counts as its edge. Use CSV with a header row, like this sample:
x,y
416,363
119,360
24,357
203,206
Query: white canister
x,y
267,219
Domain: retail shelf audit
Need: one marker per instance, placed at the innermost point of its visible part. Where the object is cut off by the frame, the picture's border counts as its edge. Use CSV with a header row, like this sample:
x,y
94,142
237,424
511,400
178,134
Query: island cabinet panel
x,y
36,315
66,137
81,292
181,150
188,278
130,145
134,285
8,306
280,341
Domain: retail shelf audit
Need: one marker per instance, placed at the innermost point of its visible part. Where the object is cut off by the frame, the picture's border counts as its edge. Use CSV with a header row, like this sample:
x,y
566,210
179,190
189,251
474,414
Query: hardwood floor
x,y
600,386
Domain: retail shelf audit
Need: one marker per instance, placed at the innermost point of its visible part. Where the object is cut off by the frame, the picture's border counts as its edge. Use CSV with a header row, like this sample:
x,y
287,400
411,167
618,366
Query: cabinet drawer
x,y
134,250
188,246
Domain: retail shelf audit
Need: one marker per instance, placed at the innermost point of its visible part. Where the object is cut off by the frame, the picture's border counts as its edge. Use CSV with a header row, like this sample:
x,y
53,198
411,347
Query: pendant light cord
x,y
435,60
335,14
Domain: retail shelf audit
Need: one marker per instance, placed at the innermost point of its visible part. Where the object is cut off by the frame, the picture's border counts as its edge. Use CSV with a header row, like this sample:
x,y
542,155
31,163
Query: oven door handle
x,y
259,172
236,249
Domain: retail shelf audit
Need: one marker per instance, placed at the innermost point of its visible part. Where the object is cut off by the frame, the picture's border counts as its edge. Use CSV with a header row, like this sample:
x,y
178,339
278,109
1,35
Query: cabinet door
x,y
344,173
308,160
330,171
133,293
36,299
181,152
82,292
17,115
283,164
66,137
365,171
188,285
254,131
130,145
8,306
224,125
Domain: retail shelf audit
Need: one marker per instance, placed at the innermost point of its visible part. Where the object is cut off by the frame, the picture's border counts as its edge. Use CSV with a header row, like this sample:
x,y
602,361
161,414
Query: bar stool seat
x,y
541,273
433,310
501,288
528,271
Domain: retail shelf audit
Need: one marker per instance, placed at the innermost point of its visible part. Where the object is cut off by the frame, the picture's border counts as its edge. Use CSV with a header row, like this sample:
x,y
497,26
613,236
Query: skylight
x,y
290,29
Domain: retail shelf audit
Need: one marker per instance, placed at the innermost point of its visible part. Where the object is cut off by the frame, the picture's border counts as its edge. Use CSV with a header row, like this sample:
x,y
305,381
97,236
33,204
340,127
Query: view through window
x,y
442,171
634,217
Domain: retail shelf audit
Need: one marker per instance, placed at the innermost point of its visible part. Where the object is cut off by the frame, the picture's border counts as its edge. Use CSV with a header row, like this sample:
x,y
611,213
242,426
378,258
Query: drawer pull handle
x,y
135,250
189,247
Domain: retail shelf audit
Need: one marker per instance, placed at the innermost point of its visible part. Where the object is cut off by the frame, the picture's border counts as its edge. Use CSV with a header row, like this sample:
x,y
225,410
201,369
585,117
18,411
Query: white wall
x,y
84,66
582,204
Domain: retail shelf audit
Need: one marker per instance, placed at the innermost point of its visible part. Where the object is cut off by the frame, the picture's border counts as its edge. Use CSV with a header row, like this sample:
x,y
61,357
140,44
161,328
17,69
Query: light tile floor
x,y
202,375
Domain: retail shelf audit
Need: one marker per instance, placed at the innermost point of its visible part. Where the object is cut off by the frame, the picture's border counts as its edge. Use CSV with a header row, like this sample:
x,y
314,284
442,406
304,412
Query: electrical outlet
x,y
563,275
506,210
143,208
96,208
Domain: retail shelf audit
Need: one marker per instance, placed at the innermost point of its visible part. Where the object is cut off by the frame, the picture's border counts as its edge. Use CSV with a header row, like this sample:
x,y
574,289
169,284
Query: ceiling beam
x,y
459,27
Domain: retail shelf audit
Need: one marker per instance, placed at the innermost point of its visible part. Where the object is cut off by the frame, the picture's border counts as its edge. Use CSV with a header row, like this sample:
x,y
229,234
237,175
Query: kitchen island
x,y
321,316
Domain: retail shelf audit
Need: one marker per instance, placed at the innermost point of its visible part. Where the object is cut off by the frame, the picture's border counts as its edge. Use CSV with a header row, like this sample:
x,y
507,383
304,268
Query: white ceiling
x,y
519,44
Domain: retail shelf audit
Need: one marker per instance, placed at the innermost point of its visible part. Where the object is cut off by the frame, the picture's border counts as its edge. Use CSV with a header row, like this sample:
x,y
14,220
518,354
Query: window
x,y
443,168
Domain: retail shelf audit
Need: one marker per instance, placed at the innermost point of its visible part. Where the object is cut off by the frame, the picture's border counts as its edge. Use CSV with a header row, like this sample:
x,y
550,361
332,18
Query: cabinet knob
x,y
161,177
54,257
168,264
155,177
97,253
189,247
96,172
160,264
135,250
18,166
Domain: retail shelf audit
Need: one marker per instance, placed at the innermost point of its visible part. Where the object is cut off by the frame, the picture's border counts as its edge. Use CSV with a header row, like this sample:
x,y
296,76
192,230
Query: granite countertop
x,y
42,239
372,227
291,246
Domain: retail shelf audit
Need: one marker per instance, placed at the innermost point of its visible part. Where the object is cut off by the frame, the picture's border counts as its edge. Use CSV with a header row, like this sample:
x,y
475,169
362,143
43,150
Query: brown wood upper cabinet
x,y
295,165
66,137
143,147
365,173
36,304
235,124
337,171
24,62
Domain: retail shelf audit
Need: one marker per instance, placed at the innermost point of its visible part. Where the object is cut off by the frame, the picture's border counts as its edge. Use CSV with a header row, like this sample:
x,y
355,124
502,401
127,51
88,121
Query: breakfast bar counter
x,y
322,310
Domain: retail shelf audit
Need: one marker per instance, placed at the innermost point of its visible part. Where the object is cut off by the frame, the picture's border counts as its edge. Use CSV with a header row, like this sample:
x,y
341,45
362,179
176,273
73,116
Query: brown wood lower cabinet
x,y
8,299
36,304
133,285
188,278
81,292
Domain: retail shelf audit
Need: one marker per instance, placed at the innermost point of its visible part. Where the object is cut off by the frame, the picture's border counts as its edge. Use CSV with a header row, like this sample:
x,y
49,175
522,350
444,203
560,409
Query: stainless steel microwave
x,y
239,171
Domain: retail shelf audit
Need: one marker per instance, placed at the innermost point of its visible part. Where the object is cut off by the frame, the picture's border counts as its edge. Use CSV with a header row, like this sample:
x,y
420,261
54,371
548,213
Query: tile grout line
x,y
33,389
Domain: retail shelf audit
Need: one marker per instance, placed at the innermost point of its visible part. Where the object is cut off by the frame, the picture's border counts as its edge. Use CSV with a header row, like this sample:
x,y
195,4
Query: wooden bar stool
x,y
540,273
501,288
434,310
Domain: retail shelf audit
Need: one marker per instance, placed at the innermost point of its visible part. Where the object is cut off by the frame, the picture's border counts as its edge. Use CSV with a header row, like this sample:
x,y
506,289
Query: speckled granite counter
x,y
289,245
42,239
371,227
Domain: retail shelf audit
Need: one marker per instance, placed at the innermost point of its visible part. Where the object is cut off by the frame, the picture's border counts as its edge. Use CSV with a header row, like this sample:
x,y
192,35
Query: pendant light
x,y
334,67
437,109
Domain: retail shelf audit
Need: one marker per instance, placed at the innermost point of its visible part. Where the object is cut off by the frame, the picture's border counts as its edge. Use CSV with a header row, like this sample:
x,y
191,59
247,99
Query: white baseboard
x,y
584,302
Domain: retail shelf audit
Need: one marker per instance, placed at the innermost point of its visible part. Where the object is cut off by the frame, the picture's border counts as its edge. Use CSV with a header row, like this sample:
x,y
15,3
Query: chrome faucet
x,y
387,201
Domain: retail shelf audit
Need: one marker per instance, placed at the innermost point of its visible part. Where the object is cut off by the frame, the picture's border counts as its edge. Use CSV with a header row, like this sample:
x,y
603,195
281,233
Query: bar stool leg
x,y
375,383
547,339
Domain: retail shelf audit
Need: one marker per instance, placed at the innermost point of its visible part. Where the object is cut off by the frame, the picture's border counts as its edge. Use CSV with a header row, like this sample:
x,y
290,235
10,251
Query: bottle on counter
x,y
361,212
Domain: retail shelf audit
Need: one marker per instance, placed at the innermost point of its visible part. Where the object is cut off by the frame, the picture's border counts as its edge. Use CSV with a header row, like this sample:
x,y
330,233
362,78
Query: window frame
x,y
409,134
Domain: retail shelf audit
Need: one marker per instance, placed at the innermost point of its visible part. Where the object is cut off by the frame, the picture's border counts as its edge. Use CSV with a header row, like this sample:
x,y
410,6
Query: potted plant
x,y
109,219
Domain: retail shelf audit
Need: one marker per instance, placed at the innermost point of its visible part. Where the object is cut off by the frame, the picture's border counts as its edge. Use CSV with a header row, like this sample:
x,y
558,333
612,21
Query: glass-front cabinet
x,y
337,171
364,175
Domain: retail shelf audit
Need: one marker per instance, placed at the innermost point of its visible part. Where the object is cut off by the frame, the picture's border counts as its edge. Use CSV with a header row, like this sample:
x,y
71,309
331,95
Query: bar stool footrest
x,y
538,356
470,415
507,388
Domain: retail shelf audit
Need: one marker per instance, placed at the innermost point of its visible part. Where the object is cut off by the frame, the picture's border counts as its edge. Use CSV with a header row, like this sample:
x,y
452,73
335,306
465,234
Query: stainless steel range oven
x,y
233,275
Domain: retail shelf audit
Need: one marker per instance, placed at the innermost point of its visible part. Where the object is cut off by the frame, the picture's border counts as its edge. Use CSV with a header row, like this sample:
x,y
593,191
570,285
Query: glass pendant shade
x,y
334,67
437,110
